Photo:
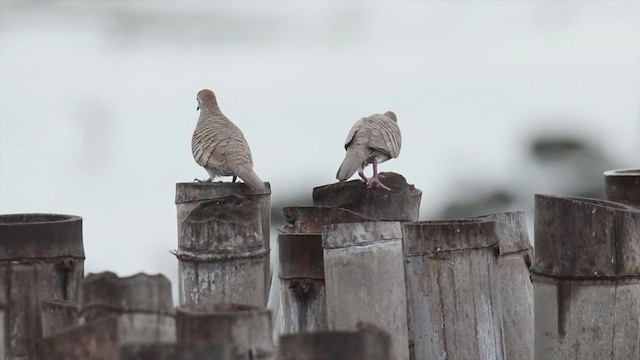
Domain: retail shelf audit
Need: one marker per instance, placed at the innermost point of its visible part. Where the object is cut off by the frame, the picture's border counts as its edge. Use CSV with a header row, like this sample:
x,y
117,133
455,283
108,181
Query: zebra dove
x,y
219,146
372,140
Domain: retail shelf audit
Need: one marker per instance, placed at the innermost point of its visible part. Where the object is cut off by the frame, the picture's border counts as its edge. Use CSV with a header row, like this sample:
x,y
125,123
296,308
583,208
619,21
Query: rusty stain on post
x,y
223,243
453,284
586,277
623,186
402,203
44,251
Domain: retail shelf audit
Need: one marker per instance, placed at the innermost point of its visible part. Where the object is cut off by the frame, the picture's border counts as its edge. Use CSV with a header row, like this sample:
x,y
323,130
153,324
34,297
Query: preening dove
x,y
372,140
219,146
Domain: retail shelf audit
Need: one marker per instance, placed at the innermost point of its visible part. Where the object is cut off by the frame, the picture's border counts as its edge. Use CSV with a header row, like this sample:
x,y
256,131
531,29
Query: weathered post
x,y
41,259
402,203
453,284
114,311
58,315
516,290
247,328
365,279
223,243
586,279
368,343
302,288
3,343
172,351
623,186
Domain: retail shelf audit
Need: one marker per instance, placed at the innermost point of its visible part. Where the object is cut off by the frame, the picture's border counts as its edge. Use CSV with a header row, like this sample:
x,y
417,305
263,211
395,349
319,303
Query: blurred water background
x,y
497,100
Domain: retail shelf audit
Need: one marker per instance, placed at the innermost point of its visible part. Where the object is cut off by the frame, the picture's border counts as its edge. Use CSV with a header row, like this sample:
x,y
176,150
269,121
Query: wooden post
x,y
58,315
453,285
402,203
368,343
172,351
302,287
516,290
223,243
586,279
623,186
41,259
115,311
365,280
3,343
245,327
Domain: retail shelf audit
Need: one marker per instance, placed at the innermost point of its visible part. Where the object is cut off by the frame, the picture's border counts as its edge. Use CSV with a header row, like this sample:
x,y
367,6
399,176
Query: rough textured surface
x,y
219,146
586,279
223,243
578,237
373,138
247,328
170,351
623,186
402,203
369,343
453,285
365,281
516,290
312,219
58,315
41,259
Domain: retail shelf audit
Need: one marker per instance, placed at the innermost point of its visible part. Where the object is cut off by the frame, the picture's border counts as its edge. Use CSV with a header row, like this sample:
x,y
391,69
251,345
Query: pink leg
x,y
361,173
374,181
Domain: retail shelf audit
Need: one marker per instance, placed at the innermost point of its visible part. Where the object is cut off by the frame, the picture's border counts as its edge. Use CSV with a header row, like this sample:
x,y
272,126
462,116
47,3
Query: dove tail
x,y
250,178
352,162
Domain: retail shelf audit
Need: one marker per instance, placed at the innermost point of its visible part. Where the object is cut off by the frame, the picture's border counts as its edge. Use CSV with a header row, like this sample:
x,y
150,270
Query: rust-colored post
x,y
586,279
516,290
402,203
453,285
173,351
368,343
223,243
365,280
115,311
246,328
623,186
41,259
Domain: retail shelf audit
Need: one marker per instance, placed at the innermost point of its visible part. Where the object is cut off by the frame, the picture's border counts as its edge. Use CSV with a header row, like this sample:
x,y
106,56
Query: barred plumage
x,y
219,146
372,140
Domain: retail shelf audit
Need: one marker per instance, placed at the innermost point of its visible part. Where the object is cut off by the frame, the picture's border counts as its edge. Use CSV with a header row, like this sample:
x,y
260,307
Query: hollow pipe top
x,y
623,186
40,236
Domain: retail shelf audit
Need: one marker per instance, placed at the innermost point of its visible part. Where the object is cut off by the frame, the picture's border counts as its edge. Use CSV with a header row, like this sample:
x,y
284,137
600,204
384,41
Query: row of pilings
x,y
356,277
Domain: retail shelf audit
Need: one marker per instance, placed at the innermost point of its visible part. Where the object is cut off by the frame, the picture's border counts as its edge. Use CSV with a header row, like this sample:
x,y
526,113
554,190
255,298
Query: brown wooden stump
x,y
623,186
516,290
453,284
586,279
246,328
41,259
115,311
223,243
402,203
171,351
365,280
368,343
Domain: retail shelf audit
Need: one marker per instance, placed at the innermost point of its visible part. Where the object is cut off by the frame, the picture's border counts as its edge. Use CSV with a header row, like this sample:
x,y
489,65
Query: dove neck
x,y
210,109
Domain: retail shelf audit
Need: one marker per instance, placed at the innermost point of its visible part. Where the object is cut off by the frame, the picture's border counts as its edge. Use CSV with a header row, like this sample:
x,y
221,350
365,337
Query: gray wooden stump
x,y
3,343
58,315
453,284
368,343
402,203
172,351
114,311
623,186
365,280
41,259
516,290
223,243
247,328
302,284
586,279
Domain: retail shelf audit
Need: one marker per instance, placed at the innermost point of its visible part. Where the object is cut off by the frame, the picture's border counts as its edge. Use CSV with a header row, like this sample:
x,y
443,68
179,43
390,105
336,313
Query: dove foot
x,y
375,182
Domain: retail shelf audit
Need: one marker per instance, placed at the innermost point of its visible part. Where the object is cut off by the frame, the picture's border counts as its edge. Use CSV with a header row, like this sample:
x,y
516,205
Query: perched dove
x,y
219,146
372,140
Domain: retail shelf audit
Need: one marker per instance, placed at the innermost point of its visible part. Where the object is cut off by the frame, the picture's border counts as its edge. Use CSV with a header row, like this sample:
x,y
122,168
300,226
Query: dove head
x,y
206,97
391,115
